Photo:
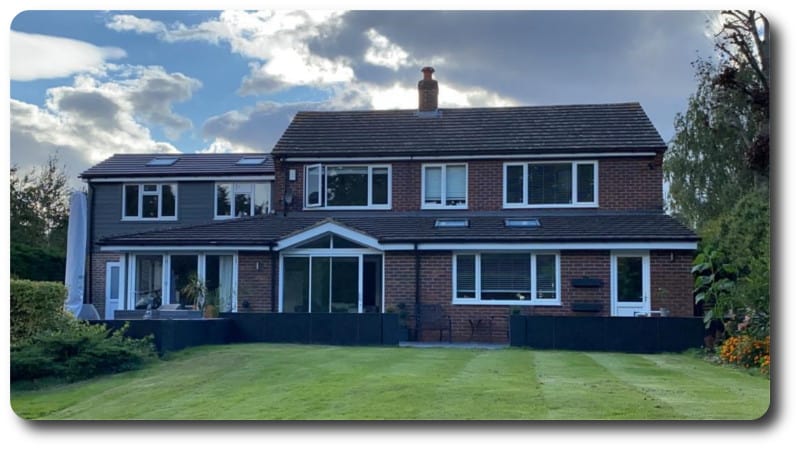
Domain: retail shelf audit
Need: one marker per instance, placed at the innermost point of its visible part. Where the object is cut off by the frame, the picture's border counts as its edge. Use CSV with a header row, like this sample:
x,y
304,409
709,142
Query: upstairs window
x,y
444,186
242,199
347,187
550,184
149,201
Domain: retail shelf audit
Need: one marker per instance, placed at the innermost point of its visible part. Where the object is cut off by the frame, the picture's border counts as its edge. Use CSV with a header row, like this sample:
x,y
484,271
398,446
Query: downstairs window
x,y
506,278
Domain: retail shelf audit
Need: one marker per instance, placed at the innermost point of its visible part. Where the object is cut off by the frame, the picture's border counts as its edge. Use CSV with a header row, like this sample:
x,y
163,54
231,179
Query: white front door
x,y
114,288
630,283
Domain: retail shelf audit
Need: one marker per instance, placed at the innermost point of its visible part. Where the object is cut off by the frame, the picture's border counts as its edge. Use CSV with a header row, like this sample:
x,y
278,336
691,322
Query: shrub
x,y
36,306
37,262
79,351
746,351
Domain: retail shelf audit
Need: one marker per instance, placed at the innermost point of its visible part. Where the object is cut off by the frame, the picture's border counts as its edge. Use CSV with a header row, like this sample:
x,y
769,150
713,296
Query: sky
x,y
88,84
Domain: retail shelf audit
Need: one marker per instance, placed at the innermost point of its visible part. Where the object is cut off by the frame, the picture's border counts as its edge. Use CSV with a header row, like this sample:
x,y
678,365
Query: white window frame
x,y
574,203
159,193
333,253
323,187
232,196
443,189
166,288
480,301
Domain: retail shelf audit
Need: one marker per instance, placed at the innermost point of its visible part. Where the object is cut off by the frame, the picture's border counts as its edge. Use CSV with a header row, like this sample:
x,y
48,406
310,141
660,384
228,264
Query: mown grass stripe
x,y
268,381
576,387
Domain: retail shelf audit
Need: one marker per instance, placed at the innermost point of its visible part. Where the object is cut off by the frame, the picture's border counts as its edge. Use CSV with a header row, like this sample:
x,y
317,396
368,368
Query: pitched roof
x,y
187,164
420,227
471,131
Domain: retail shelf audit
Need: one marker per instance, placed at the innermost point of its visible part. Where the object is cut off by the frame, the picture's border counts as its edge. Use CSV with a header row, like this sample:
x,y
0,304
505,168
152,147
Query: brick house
x,y
487,212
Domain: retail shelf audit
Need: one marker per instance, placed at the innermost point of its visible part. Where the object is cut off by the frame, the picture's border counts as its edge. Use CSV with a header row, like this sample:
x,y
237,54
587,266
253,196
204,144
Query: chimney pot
x,y
428,91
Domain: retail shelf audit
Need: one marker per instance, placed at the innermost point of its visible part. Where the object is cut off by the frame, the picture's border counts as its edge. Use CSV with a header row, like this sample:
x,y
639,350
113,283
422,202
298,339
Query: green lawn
x,y
266,381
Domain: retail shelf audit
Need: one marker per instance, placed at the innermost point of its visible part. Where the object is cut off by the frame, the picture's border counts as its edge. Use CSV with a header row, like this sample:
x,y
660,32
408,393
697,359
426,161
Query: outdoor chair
x,y
433,318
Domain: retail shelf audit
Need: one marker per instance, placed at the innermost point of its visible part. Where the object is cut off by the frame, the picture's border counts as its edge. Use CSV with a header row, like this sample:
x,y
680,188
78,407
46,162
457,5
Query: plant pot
x,y
210,312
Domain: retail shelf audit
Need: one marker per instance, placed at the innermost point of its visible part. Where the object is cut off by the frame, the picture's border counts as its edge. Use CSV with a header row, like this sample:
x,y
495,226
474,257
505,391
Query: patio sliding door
x,y
330,284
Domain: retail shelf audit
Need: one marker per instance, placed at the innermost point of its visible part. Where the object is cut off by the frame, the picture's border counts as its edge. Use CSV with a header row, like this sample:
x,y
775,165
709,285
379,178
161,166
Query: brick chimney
x,y
428,91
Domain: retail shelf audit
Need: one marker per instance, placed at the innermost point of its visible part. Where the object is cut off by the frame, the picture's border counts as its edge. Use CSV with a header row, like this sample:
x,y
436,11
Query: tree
x,y
718,169
39,206
721,145
744,40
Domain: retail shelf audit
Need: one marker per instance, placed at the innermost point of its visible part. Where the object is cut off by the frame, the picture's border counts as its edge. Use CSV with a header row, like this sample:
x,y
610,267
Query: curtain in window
x,y
506,276
226,283
433,185
456,185
465,276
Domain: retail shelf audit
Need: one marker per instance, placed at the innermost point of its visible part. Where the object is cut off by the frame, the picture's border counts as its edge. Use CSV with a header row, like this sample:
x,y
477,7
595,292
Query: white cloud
x,y
100,114
384,53
276,41
127,22
38,56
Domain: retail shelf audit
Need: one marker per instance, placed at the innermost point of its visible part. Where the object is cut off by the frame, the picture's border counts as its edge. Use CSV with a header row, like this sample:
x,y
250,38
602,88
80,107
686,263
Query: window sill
x,y
347,208
554,205
149,219
444,207
465,301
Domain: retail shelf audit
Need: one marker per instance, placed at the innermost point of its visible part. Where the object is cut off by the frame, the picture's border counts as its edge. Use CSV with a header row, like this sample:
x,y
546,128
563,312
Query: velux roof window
x,y
523,223
251,160
163,161
451,223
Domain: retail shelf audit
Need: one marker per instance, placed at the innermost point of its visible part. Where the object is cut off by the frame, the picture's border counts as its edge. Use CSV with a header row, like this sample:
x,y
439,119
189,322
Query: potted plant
x,y
212,302
402,316
195,289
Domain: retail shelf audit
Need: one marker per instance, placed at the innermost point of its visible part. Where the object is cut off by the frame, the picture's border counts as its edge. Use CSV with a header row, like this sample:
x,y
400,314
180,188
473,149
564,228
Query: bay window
x,y
242,199
550,184
347,187
444,186
149,201
506,278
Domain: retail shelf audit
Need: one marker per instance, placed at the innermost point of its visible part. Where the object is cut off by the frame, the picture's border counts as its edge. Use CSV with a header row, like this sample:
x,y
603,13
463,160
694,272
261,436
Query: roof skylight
x,y
523,223
451,223
163,161
251,160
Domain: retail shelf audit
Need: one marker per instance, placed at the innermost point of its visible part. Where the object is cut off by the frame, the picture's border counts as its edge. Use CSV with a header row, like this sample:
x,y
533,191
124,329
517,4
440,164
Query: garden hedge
x,y
36,306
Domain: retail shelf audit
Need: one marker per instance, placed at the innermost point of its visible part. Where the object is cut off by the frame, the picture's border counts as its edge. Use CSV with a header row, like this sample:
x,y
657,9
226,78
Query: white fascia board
x,y
682,245
329,227
164,179
175,248
469,157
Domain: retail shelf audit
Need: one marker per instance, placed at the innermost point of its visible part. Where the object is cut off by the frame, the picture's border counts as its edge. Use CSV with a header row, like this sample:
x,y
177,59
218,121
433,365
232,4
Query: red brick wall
x,y
631,183
671,287
671,282
582,264
255,282
624,183
97,288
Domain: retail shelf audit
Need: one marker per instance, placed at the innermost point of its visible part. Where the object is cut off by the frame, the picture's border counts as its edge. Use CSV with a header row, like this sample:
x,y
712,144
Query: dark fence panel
x,y
172,335
315,328
617,334
326,329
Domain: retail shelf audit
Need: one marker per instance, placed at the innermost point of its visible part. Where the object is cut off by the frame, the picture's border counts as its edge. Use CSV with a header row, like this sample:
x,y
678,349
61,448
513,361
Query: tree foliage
x,y
39,203
718,170
732,269
721,146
